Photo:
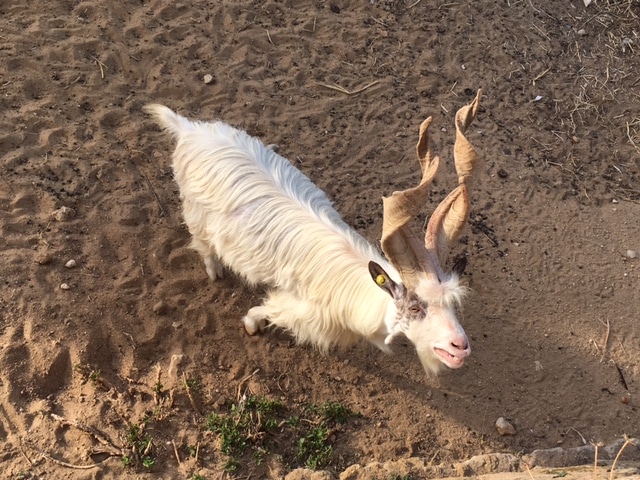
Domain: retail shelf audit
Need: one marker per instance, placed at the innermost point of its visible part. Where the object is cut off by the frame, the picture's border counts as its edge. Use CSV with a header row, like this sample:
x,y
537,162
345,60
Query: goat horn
x,y
447,221
401,246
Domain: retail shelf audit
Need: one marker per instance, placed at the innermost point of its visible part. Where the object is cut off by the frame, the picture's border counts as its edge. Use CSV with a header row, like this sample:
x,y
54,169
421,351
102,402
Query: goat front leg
x,y
299,317
279,308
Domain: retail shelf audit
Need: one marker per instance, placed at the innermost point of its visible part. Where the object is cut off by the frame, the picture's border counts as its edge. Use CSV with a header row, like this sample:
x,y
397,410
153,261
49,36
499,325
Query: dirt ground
x,y
133,335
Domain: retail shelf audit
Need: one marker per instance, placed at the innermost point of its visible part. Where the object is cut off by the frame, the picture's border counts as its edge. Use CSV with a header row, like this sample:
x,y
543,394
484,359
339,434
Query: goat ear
x,y
459,266
382,279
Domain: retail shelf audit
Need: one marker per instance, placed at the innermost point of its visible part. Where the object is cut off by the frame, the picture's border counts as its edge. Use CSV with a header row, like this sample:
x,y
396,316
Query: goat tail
x,y
168,119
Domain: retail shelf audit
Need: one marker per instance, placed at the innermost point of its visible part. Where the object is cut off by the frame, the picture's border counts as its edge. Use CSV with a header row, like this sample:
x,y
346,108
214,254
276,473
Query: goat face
x,y
426,315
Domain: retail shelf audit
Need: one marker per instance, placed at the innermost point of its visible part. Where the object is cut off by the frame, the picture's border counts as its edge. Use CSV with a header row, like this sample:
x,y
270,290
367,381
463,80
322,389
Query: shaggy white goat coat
x,y
250,209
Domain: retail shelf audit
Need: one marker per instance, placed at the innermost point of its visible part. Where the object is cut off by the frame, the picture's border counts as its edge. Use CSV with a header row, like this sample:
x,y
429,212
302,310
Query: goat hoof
x,y
214,269
253,326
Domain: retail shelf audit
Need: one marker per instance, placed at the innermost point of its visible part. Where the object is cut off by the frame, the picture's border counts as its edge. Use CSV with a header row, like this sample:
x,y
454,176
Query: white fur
x,y
250,209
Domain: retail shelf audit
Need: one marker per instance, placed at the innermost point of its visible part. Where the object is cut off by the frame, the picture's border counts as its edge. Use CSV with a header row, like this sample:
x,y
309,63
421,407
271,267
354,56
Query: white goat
x,y
249,209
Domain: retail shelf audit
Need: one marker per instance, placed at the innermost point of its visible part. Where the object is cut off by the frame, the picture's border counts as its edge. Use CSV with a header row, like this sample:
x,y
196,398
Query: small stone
x,y
614,201
63,214
632,254
208,79
575,139
160,308
44,258
504,428
71,263
65,286
582,32
502,173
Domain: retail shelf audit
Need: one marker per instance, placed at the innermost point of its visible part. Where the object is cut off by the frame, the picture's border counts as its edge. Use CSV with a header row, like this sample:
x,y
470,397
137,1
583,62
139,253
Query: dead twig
x,y
314,27
340,89
102,66
533,82
175,451
190,394
163,213
157,386
621,375
631,139
606,339
242,382
529,472
97,436
627,441
24,454
62,463
584,441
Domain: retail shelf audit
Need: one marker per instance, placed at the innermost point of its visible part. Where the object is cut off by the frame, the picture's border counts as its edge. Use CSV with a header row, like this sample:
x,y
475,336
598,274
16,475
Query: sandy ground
x,y
136,336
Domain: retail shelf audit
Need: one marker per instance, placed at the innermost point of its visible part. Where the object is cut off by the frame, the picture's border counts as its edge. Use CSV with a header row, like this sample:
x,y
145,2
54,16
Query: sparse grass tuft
x,y
313,449
140,445
251,425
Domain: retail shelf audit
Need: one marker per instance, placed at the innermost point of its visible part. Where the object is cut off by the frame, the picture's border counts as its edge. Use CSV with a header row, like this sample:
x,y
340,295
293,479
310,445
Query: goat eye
x,y
415,309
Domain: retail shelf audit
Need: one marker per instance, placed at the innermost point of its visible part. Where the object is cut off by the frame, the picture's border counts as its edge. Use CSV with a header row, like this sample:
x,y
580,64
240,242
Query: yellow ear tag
x,y
381,280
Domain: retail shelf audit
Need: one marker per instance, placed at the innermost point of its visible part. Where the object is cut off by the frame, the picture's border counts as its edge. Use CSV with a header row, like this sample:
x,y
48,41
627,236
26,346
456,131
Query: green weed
x,y
254,423
140,444
336,411
313,449
193,384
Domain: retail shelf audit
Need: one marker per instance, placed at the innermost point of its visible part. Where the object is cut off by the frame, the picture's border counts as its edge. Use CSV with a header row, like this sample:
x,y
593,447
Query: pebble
x,y
71,263
65,286
207,79
504,428
63,214
160,308
632,254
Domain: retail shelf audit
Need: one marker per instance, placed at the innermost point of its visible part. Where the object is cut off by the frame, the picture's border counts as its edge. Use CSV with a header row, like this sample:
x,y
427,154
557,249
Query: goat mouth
x,y
450,360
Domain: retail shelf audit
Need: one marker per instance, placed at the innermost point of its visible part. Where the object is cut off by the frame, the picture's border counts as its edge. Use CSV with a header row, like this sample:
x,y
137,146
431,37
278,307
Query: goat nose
x,y
460,345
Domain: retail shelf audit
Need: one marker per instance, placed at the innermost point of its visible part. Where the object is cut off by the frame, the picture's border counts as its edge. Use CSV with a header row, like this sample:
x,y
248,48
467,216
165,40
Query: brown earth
x,y
136,336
